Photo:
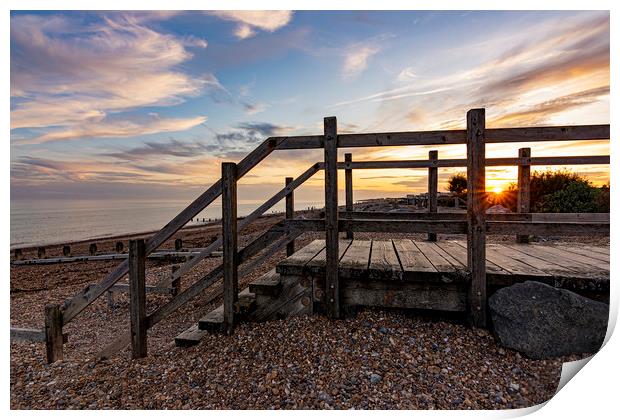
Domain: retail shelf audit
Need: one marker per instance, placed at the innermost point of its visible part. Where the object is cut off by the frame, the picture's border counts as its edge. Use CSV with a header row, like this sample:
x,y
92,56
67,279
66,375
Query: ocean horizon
x,y
54,221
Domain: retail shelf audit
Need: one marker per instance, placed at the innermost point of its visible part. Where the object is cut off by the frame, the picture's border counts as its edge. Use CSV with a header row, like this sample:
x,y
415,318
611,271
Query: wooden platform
x,y
432,275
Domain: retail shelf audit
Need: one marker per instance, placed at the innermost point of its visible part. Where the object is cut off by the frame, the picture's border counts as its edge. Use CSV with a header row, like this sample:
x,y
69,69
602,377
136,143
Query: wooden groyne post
x,y
476,229
53,333
229,244
331,217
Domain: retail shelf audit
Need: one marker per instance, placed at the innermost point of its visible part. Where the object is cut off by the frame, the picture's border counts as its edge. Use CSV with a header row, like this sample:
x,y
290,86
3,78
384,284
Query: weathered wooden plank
x,y
137,298
400,226
462,163
28,334
53,333
458,251
332,298
547,228
414,295
433,156
412,259
476,191
563,254
563,133
190,337
268,284
555,265
290,213
348,183
316,265
229,244
523,190
512,261
294,264
354,262
412,138
457,265
384,262
537,263
436,257
598,253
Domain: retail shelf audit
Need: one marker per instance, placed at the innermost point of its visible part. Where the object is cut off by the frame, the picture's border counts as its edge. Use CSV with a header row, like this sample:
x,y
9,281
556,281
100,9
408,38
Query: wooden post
x,y
41,252
476,191
18,254
66,250
523,192
178,244
331,217
92,249
433,155
53,333
348,182
119,246
290,214
229,244
137,298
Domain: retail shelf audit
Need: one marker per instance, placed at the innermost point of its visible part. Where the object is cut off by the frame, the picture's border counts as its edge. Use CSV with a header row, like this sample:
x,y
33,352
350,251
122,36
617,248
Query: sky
x,y
146,105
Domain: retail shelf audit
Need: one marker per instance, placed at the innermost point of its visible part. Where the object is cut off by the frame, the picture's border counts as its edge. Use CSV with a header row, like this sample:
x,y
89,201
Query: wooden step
x,y
190,337
268,284
214,320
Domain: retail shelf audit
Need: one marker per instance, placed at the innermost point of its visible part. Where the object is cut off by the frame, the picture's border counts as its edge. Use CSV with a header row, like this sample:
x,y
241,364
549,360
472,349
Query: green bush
x,y
563,191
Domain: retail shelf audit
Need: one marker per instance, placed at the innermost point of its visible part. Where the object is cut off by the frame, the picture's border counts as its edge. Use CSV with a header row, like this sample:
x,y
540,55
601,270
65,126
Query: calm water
x,y
56,221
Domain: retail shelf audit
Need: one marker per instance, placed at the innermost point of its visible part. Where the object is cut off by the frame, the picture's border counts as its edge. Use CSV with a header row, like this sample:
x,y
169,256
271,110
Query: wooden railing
x,y
475,224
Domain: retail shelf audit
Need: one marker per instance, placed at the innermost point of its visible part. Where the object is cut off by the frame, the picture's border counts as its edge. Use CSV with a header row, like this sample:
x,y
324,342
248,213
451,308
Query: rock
x,y
513,388
375,379
383,330
544,322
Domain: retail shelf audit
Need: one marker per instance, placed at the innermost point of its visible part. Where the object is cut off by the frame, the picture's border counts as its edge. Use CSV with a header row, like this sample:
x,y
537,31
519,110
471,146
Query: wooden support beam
x,y
290,213
229,244
92,249
137,298
476,196
53,333
523,190
433,156
331,217
348,183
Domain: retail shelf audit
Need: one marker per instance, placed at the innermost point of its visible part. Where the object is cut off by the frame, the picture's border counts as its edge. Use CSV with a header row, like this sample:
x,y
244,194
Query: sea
x,y
51,221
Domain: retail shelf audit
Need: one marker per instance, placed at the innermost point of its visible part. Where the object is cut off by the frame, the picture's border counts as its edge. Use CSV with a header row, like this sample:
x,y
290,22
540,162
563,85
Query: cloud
x,y
356,59
406,75
117,128
170,148
250,20
69,73
539,113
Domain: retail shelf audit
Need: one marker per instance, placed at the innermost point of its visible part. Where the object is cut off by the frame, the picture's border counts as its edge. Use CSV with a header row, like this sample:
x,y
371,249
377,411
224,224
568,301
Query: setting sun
x,y
497,190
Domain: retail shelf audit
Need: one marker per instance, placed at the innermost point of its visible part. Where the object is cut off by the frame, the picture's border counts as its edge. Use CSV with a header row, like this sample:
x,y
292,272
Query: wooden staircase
x,y
271,296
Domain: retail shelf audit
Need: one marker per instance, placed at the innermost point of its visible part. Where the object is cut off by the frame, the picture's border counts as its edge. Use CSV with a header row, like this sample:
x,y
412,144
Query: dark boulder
x,y
541,321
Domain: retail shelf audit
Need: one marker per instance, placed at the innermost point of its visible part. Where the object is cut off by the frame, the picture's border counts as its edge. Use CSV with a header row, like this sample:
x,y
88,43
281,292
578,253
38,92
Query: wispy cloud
x,y
72,74
356,59
117,128
248,21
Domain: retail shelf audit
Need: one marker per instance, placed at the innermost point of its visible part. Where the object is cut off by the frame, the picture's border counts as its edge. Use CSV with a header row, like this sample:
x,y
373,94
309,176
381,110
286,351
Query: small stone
x,y
375,379
383,330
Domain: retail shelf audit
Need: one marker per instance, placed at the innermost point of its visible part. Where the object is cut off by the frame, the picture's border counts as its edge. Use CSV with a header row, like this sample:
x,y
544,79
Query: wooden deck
x,y
401,270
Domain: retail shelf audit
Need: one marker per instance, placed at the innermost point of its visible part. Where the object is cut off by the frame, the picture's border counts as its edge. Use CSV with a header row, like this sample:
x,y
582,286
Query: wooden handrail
x,y
413,138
